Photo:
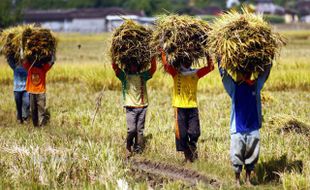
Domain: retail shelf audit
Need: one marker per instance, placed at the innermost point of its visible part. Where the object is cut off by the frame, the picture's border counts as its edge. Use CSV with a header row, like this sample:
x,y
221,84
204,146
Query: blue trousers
x,y
22,104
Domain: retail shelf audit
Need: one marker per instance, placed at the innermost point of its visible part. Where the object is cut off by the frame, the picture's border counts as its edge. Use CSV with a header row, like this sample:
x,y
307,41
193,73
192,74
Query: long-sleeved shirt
x,y
134,86
20,75
36,80
184,93
246,113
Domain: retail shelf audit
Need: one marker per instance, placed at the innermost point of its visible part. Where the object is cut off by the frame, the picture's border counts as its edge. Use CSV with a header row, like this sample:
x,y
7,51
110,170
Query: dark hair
x,y
182,60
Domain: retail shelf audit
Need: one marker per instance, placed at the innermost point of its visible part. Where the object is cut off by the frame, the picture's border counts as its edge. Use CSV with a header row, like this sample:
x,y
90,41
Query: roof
x,y
103,12
61,15
303,7
47,15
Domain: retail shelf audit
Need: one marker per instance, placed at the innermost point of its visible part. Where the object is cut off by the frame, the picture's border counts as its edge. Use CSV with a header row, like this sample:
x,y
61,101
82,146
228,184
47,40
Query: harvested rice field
x,y
71,153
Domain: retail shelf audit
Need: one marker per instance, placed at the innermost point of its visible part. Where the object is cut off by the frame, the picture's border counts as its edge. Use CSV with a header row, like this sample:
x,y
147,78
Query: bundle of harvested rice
x,y
287,124
39,44
10,40
182,38
130,45
245,43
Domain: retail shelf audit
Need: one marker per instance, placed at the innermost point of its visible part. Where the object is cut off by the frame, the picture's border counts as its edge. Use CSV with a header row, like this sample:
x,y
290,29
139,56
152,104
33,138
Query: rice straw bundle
x,y
39,44
10,40
245,43
181,38
130,45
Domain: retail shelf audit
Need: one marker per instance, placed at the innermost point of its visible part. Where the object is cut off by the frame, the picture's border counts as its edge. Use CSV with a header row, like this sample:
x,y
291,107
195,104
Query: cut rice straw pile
x,y
182,38
245,43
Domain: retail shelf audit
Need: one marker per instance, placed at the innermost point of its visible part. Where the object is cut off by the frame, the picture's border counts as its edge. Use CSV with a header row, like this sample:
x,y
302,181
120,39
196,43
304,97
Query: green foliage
x,y
275,19
9,14
209,18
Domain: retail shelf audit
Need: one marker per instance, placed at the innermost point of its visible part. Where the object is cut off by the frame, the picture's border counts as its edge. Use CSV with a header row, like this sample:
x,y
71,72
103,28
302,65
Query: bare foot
x,y
238,184
248,183
237,175
128,153
247,179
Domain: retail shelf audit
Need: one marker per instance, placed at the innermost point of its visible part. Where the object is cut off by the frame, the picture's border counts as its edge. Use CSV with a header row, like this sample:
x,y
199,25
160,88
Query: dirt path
x,y
173,172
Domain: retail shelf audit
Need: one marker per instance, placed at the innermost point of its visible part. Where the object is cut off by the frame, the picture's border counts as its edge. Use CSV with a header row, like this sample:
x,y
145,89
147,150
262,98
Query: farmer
x,y
20,93
36,87
135,101
245,120
184,100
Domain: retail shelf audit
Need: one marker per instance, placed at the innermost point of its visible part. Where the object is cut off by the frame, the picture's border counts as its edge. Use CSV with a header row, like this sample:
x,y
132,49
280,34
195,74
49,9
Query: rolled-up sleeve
x,y
263,77
227,81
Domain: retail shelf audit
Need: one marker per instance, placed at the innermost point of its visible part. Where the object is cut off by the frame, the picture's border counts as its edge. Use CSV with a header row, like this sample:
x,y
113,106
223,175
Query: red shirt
x,y
36,79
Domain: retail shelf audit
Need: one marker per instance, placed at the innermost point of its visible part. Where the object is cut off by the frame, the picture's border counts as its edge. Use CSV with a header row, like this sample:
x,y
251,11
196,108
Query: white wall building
x,y
84,20
268,7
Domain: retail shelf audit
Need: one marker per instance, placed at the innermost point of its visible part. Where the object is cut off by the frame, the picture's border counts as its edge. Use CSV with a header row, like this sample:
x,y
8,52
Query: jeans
x,y
22,104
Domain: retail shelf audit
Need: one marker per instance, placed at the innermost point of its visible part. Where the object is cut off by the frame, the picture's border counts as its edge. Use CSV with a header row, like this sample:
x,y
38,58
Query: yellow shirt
x,y
185,90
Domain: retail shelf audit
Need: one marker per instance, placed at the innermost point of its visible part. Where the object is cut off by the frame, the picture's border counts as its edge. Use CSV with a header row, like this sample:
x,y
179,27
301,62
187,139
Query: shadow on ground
x,y
270,171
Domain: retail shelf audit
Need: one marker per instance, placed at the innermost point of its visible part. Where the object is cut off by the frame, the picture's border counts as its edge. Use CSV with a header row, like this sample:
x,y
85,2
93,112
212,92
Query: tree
x,y
9,13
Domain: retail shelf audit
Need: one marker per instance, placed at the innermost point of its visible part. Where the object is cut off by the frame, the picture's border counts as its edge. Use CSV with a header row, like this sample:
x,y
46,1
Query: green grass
x,y
70,153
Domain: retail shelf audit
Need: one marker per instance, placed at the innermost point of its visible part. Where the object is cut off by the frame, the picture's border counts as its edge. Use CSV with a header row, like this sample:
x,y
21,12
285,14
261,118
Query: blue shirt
x,y
246,112
20,75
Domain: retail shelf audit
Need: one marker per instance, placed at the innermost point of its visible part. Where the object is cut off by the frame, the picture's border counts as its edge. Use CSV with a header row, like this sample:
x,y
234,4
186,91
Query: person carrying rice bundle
x,y
10,39
245,46
131,57
38,54
182,41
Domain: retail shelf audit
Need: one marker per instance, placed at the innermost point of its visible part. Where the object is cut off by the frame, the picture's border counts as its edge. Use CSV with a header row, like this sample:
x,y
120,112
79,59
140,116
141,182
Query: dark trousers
x,y
22,105
135,118
38,110
187,129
